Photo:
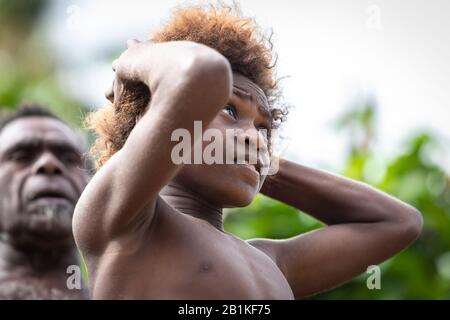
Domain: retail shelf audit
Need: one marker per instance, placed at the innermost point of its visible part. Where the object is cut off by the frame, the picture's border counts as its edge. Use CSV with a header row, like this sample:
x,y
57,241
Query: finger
x,y
132,42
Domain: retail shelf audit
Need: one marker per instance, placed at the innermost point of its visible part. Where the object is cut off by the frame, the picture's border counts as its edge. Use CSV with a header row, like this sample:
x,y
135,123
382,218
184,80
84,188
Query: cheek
x,y
196,176
9,209
214,143
10,184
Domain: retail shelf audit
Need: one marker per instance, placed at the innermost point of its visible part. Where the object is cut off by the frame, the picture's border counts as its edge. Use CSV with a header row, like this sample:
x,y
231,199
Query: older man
x,y
42,174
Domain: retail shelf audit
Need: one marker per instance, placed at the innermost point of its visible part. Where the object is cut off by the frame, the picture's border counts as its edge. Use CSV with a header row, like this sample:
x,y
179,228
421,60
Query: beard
x,y
24,289
40,224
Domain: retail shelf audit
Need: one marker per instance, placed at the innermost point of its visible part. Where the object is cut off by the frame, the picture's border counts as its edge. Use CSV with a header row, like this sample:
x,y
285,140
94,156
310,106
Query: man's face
x,y
41,179
235,185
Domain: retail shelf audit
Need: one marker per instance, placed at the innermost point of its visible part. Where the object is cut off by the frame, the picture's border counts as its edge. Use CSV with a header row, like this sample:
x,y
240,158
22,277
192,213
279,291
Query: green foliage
x,y
17,86
269,219
422,270
27,65
21,15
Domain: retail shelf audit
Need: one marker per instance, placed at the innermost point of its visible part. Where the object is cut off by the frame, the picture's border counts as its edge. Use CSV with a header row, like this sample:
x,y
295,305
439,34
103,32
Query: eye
x,y
21,156
230,110
70,158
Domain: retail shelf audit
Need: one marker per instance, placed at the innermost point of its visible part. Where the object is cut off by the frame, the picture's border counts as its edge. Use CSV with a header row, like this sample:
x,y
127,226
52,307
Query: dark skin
x,y
150,229
41,180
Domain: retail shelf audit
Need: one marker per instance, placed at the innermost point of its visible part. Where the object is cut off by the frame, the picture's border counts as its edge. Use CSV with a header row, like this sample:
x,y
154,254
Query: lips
x,y
49,194
254,166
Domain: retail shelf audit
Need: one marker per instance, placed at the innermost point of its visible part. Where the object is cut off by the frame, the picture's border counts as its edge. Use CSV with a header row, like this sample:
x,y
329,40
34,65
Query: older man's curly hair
x,y
220,27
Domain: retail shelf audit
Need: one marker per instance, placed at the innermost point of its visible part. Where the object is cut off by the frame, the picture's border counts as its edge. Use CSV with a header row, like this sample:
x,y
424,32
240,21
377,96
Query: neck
x,y
35,261
190,203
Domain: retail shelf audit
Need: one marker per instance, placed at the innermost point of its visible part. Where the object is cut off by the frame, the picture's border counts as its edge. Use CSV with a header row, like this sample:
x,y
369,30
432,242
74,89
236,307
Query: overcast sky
x,y
334,52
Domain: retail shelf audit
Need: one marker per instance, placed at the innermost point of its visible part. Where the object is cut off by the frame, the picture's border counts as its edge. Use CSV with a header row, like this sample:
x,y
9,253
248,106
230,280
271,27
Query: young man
x,y
152,229
41,178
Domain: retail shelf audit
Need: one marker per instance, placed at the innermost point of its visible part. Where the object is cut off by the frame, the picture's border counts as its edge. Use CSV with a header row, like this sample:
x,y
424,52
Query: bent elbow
x,y
209,69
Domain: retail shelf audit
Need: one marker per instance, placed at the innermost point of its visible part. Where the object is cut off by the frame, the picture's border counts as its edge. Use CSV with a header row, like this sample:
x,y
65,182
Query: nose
x,y
48,164
252,143
251,137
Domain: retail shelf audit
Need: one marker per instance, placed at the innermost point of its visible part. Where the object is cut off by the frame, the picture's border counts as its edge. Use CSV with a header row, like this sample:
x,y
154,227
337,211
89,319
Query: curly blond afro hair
x,y
220,27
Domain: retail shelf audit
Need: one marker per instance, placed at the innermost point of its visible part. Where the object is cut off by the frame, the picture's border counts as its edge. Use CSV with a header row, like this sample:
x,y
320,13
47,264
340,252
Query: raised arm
x,y
365,227
187,82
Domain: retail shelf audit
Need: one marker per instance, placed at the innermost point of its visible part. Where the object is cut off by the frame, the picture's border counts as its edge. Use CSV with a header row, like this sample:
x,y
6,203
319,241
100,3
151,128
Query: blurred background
x,y
369,82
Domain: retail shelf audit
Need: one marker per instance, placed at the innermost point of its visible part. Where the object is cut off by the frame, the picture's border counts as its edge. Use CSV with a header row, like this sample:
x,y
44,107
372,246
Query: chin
x,y
225,186
236,196
29,233
29,240
242,196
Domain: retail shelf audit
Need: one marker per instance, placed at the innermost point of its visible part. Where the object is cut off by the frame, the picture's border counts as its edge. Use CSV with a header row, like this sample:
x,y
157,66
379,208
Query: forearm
x,y
183,77
366,227
331,198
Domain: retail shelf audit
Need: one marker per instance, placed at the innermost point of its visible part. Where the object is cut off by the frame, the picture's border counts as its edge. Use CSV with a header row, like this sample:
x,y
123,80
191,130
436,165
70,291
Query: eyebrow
x,y
242,93
262,105
33,143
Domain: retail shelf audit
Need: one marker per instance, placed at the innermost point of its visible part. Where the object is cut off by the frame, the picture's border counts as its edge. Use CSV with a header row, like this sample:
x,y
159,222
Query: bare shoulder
x,y
265,245
270,247
95,214
154,220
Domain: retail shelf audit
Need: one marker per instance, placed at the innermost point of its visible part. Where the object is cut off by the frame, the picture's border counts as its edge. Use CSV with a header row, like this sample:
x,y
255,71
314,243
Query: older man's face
x,y
41,179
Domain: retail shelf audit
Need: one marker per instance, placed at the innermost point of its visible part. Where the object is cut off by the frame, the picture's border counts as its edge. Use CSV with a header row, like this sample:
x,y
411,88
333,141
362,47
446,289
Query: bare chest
x,y
196,267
